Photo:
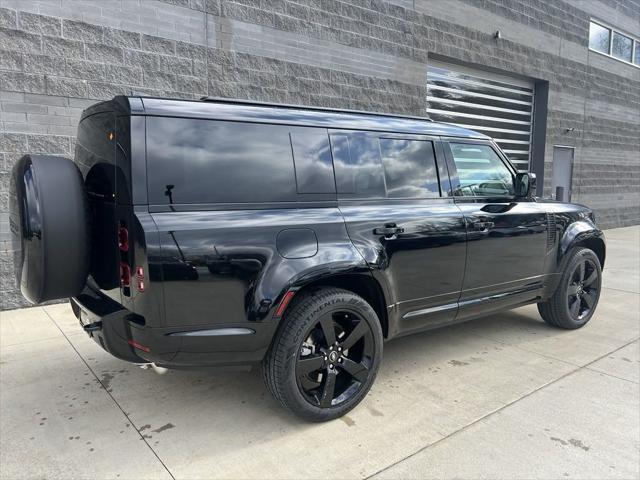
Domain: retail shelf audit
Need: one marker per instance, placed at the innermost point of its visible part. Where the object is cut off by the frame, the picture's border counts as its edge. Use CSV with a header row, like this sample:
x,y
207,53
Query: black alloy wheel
x,y
583,289
325,355
574,302
335,359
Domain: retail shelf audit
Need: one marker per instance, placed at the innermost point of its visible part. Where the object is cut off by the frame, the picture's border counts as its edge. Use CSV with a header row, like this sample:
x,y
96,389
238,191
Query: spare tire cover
x,y
49,226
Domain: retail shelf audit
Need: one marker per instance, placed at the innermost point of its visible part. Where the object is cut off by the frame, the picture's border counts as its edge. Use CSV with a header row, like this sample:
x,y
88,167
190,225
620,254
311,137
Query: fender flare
x,y
335,272
581,232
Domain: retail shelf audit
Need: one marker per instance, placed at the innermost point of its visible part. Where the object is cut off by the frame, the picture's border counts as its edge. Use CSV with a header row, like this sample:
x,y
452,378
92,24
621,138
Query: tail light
x,y
140,278
123,238
125,275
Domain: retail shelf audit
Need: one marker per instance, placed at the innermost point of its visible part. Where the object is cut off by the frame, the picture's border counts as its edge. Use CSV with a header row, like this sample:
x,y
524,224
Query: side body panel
x,y
506,240
422,267
505,262
216,272
223,274
421,263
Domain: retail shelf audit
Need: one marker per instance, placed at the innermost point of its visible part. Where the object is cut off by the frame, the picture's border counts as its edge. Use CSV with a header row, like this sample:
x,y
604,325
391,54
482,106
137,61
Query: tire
x,y
346,368
576,297
49,226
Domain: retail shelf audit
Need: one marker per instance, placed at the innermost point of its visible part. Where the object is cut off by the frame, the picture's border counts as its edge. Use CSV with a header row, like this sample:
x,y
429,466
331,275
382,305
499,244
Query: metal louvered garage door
x,y
496,105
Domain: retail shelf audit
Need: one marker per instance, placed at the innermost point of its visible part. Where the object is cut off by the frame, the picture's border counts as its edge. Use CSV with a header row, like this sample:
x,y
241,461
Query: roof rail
x,y
305,107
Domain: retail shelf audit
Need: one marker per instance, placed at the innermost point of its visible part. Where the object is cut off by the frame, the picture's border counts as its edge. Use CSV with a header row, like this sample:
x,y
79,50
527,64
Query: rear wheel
x,y
325,356
576,297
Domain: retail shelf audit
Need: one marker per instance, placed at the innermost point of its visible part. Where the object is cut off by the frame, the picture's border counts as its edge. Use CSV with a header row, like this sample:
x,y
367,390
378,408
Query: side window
x,y
312,157
409,168
192,161
357,163
481,171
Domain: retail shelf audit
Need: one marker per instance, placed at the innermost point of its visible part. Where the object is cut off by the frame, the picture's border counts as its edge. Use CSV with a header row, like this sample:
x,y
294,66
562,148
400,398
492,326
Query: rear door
x,y
506,235
390,194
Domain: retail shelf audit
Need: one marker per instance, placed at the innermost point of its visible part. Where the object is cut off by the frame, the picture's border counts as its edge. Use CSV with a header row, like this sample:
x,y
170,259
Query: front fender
x,y
582,232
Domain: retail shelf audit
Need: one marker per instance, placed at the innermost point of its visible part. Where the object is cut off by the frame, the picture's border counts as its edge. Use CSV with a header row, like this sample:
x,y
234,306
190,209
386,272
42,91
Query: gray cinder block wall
x,y
59,56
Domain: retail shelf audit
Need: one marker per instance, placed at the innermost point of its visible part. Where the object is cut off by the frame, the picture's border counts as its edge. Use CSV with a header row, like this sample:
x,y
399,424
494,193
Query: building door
x,y
500,106
562,172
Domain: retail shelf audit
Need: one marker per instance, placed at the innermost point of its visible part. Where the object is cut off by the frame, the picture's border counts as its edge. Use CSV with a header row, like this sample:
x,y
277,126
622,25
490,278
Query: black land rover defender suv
x,y
220,232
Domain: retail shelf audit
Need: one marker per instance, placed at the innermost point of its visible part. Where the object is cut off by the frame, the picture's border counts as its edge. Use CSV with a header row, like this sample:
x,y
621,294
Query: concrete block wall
x,y
59,56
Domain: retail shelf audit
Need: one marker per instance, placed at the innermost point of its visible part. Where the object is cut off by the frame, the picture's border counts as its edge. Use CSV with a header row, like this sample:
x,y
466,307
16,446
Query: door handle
x,y
483,225
389,230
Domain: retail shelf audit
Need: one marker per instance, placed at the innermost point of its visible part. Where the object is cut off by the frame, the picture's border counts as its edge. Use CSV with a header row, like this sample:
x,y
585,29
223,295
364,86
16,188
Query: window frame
x,y
440,160
453,170
634,42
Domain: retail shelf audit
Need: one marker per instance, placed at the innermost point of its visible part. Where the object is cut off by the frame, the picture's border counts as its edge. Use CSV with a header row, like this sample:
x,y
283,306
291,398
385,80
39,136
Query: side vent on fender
x,y
551,230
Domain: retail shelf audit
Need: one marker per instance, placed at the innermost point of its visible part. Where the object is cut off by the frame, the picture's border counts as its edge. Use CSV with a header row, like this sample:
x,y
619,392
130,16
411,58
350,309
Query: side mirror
x,y
525,185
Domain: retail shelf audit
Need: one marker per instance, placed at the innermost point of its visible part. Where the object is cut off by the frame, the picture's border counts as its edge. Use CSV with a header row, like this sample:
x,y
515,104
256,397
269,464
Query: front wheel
x,y
325,356
576,297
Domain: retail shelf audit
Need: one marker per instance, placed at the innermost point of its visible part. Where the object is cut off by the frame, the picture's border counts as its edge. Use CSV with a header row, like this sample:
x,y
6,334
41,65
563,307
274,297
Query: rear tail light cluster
x,y
123,239
126,275
125,269
140,278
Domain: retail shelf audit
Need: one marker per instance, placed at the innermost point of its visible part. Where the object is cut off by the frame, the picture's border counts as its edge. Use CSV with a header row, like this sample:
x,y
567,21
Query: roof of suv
x,y
249,111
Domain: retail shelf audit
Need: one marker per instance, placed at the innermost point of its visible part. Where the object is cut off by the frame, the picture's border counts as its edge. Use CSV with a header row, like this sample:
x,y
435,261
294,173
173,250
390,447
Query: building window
x,y
622,47
612,43
599,38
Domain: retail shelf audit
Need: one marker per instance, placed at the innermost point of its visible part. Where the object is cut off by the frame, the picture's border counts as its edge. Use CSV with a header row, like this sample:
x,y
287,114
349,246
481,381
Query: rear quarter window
x,y
193,161
207,161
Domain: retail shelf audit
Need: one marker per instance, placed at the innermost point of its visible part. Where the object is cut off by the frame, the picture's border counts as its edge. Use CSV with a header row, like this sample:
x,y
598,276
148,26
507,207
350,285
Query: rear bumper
x,y
128,336
107,323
